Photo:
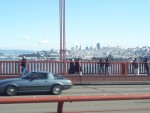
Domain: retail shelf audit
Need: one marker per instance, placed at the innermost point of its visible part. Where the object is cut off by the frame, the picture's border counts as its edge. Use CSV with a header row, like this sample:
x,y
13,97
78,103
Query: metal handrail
x,y
62,99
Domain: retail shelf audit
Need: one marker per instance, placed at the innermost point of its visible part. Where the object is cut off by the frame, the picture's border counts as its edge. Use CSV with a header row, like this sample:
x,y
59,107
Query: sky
x,y
34,24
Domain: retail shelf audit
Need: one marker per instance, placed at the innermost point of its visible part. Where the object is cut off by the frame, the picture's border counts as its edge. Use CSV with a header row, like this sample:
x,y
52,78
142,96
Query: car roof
x,y
40,71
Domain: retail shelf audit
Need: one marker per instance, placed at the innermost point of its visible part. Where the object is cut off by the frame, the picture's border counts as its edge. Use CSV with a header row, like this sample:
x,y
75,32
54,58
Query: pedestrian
x,y
146,66
101,69
107,67
24,66
135,66
78,67
72,67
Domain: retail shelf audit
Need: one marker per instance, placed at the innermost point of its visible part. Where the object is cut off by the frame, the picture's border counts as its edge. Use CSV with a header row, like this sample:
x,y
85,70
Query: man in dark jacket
x,y
107,67
101,67
135,66
24,66
78,67
146,66
72,67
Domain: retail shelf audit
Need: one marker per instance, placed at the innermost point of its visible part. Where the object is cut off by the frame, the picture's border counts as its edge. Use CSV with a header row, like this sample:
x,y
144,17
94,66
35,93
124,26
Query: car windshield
x,y
56,76
27,76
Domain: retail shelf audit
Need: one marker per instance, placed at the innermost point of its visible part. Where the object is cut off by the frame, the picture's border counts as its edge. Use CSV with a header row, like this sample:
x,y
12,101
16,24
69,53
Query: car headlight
x,y
69,82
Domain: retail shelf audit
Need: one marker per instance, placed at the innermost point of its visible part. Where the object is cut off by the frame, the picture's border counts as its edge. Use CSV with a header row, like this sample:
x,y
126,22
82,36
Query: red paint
x,y
62,99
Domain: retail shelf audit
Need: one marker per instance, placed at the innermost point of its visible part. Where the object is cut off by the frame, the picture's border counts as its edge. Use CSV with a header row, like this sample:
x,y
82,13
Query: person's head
x,y
23,57
72,60
107,59
100,59
145,59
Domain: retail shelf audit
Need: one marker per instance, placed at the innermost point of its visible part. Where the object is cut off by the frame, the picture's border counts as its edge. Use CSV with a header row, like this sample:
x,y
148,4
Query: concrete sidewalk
x,y
116,83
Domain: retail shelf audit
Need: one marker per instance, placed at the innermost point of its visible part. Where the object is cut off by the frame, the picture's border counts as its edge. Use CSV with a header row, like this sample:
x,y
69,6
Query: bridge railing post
x,y
19,74
126,68
60,107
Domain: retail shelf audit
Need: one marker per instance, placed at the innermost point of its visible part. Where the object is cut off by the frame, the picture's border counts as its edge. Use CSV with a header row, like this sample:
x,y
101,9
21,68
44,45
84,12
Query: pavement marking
x,y
114,110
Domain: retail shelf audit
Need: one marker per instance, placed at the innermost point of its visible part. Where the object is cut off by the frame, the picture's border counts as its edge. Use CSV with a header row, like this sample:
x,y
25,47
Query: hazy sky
x,y
34,24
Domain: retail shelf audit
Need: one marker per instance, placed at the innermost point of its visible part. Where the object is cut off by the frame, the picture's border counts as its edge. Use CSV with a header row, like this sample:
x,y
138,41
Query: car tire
x,y
11,91
57,89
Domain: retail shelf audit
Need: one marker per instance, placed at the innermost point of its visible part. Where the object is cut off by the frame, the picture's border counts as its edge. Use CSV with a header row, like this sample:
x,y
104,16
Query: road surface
x,y
121,106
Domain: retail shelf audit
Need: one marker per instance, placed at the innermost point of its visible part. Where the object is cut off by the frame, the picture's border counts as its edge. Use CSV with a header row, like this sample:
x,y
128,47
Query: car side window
x,y
32,75
51,76
42,76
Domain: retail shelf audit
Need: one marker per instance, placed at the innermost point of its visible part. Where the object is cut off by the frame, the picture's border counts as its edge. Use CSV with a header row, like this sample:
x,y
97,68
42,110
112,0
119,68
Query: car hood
x,y
9,80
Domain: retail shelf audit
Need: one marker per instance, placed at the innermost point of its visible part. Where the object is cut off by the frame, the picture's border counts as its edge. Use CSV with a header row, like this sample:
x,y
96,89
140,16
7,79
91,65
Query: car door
x,y
42,81
28,84
37,81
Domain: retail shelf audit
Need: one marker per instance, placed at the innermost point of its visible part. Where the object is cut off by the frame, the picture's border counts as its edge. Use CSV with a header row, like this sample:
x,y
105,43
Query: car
x,y
35,81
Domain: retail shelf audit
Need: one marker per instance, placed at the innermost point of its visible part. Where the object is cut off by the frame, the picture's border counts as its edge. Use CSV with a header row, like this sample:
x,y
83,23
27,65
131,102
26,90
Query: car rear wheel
x,y
11,90
57,89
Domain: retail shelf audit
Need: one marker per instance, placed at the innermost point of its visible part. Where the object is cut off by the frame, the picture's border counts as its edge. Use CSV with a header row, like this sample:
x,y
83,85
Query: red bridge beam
x,y
62,99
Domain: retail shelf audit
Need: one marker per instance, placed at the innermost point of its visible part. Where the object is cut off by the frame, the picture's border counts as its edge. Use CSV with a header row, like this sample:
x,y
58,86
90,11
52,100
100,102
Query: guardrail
x,y
88,67
62,99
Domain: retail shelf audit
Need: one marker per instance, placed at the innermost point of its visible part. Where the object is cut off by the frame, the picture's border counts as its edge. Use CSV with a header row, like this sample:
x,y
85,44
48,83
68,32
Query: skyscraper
x,y
98,46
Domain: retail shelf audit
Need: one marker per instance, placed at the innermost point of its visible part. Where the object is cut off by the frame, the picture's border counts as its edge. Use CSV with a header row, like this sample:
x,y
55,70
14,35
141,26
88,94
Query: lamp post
x,y
62,30
62,36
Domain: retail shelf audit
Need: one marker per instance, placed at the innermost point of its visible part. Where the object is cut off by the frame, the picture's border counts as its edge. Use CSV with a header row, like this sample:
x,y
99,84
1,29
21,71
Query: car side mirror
x,y
32,78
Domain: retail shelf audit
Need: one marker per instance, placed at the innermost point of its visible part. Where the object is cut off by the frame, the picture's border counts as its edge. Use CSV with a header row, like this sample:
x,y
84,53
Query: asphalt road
x,y
120,106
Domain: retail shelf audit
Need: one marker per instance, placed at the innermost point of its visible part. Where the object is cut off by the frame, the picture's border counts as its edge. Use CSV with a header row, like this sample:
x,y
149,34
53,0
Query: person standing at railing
x,y
107,67
101,69
72,67
24,66
78,67
146,66
135,66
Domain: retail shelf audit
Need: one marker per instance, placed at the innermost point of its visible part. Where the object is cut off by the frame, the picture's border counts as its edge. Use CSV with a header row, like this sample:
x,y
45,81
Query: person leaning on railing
x,y
72,67
101,69
107,67
78,67
135,66
24,66
146,66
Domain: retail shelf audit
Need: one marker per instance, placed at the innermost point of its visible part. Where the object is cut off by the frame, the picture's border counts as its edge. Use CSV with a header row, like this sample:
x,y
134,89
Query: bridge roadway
x,y
121,106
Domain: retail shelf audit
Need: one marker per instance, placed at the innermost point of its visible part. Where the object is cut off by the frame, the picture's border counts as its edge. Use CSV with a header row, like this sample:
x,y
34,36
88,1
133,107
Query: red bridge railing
x,y
61,99
117,68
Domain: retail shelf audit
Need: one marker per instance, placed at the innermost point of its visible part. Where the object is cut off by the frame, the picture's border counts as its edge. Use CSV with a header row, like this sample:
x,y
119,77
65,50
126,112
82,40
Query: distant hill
x,y
17,52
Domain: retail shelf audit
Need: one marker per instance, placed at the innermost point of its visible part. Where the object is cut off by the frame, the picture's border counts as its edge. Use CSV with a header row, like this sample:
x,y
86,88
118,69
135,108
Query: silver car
x,y
35,81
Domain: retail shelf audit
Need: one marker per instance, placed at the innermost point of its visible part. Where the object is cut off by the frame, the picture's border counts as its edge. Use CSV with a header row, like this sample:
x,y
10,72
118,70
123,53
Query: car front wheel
x,y
11,90
57,89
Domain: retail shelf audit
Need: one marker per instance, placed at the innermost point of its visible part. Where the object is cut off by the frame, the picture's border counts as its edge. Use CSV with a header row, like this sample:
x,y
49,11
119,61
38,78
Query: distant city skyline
x,y
34,24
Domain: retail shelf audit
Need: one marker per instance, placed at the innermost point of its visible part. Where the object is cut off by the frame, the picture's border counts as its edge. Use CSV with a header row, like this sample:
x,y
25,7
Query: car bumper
x,y
67,87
